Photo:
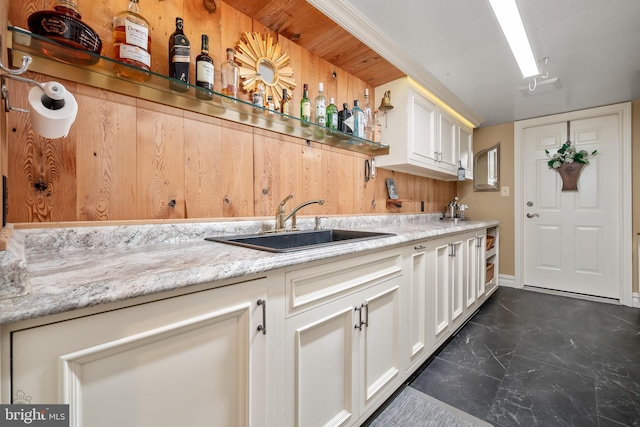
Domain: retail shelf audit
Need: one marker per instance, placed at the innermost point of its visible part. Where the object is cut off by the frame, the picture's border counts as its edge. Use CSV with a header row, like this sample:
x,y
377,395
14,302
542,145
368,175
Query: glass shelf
x,y
51,58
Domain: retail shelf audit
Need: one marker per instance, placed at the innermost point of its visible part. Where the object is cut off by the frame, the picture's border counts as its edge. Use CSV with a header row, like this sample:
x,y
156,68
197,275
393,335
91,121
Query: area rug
x,y
412,408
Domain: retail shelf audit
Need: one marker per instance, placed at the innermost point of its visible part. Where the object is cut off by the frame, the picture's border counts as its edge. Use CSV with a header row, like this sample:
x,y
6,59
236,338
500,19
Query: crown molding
x,y
352,21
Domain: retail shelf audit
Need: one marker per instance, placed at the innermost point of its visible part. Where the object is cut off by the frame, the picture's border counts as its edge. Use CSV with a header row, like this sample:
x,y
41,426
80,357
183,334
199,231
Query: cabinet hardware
x,y
452,250
419,248
365,306
263,327
359,325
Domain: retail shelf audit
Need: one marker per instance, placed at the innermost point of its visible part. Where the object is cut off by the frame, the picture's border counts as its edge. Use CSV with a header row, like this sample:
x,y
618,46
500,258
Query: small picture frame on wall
x,y
392,189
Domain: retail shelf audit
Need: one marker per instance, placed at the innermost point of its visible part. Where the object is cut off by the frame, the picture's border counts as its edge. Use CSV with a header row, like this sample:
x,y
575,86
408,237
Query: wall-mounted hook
x,y
26,61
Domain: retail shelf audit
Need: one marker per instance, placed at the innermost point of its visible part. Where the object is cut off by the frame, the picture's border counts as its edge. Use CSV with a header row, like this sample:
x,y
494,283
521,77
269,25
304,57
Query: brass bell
x,y
386,102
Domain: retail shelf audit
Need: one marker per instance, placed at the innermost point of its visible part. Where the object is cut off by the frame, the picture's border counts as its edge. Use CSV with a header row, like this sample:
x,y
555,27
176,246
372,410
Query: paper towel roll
x,y
52,123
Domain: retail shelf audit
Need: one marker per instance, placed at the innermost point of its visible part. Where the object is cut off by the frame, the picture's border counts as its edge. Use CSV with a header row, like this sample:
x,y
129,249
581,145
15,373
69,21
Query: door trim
x,y
625,209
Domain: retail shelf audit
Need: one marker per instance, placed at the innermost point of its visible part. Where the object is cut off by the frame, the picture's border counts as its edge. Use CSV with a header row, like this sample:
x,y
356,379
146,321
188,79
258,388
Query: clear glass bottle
x,y
332,115
285,108
204,71
358,119
270,106
257,97
377,128
368,117
305,106
132,44
179,58
321,107
229,72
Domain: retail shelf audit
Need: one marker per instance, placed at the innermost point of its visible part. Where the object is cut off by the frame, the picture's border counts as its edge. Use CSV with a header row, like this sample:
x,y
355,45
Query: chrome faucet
x,y
282,216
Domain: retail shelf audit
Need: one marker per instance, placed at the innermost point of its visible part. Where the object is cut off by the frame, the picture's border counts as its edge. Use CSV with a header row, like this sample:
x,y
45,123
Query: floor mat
x,y
414,408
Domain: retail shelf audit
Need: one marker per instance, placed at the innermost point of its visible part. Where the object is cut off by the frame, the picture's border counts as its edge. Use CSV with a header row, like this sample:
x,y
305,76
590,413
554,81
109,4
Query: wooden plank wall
x,y
130,159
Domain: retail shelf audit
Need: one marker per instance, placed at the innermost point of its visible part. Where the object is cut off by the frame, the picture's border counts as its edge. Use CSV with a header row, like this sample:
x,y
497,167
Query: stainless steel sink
x,y
297,240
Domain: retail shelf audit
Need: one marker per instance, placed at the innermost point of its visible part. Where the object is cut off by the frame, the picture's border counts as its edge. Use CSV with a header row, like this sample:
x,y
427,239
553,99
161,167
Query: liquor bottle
x,y
132,43
258,94
377,128
358,119
305,106
285,108
229,72
368,117
321,107
64,25
270,106
204,71
332,115
179,58
345,120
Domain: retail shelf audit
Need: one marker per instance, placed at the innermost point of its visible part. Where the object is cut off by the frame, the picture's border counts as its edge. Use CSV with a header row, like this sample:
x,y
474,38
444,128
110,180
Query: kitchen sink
x,y
297,240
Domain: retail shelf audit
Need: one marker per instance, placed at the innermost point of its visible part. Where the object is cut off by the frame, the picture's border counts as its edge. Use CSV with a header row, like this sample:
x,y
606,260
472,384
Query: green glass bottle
x,y
332,115
305,106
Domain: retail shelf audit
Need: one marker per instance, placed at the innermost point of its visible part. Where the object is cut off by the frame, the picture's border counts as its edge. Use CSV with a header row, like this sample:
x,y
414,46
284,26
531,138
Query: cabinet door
x,y
321,370
422,126
448,157
472,270
441,279
182,361
457,264
379,349
481,262
465,143
416,280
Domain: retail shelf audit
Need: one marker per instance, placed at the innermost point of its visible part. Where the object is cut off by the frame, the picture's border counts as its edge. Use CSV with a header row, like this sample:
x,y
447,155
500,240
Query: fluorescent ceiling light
x,y
506,12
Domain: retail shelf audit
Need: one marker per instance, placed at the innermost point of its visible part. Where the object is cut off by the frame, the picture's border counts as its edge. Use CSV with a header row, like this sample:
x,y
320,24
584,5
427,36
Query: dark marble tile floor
x,y
533,359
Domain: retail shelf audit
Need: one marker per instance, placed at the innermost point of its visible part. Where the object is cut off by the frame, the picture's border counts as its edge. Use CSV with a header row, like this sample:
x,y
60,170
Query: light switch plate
x,y
504,191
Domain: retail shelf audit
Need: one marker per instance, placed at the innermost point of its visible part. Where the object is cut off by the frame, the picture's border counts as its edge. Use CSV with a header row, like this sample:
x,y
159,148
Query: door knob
x,y
531,215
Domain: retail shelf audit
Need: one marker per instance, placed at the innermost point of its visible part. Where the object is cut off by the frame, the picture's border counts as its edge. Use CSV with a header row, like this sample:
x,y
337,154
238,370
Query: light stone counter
x,y
52,270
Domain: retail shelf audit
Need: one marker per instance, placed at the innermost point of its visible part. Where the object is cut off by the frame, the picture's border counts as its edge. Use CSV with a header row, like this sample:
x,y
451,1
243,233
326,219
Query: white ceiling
x,y
593,48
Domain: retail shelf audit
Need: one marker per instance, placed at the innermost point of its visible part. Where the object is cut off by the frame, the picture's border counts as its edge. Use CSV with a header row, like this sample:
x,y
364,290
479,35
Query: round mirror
x,y
262,57
267,71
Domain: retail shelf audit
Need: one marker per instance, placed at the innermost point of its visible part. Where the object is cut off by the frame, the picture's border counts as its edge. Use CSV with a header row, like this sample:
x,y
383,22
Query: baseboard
x,y
507,281
635,300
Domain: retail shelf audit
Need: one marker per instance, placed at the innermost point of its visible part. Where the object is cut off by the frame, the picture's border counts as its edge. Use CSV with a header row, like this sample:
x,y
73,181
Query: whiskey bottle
x,y
332,115
132,44
305,106
179,59
321,107
204,71
229,72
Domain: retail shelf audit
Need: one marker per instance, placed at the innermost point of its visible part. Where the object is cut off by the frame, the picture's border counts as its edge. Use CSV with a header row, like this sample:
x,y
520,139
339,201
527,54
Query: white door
x,y
572,239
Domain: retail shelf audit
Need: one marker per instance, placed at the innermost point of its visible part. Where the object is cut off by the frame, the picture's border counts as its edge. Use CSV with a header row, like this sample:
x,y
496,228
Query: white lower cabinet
x,y
192,360
343,356
447,265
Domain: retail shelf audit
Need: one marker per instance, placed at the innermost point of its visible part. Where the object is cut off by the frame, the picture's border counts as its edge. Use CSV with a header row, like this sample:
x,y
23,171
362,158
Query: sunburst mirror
x,y
264,58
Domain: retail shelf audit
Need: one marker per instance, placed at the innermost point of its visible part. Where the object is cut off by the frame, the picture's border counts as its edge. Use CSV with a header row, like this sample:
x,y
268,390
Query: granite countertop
x,y
52,270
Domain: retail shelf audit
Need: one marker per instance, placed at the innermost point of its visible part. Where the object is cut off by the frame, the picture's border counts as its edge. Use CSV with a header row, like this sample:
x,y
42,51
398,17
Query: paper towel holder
x,y
54,92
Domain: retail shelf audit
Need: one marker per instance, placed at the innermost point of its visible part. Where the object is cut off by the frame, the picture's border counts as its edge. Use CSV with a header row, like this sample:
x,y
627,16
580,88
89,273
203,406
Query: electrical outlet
x,y
504,191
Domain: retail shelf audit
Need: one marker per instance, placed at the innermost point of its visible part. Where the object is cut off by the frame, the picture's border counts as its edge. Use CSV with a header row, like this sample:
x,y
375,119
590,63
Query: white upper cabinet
x,y
423,139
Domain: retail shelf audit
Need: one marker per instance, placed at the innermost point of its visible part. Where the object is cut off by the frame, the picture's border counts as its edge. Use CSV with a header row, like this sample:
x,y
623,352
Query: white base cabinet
x,y
341,336
191,360
343,357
